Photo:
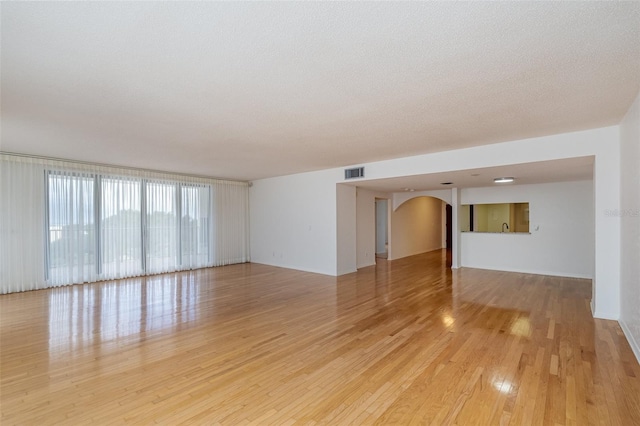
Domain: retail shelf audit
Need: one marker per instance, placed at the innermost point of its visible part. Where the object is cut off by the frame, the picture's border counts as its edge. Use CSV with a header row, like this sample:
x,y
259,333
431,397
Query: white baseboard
x,y
605,315
532,272
635,347
366,265
295,268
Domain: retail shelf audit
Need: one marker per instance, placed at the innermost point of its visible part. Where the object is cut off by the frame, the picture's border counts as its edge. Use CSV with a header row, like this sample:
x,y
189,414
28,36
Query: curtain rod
x,y
41,157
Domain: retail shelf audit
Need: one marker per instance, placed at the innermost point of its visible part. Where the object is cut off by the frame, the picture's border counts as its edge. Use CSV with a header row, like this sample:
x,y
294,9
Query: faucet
x,y
503,225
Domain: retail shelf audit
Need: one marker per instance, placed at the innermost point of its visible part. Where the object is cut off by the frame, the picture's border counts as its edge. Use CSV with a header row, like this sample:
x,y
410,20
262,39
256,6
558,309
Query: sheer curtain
x,y
231,230
121,227
22,225
71,221
195,201
162,227
66,223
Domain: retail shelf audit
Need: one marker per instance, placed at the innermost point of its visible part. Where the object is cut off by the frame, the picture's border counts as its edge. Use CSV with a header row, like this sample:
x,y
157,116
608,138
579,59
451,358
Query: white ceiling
x,y
570,169
251,90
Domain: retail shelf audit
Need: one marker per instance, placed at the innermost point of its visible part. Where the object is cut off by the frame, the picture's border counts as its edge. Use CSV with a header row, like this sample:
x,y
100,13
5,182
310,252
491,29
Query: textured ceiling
x,y
251,90
570,169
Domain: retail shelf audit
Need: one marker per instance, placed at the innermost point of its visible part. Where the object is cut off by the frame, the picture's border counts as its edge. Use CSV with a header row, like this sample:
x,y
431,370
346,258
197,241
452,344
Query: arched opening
x,y
392,226
421,224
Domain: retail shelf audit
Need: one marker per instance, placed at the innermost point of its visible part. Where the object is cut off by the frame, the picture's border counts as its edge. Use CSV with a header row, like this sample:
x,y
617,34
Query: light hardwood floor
x,y
408,341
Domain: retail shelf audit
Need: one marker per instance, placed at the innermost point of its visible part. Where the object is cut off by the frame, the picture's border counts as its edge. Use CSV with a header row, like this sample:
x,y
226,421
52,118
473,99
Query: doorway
x,y
449,219
449,231
382,228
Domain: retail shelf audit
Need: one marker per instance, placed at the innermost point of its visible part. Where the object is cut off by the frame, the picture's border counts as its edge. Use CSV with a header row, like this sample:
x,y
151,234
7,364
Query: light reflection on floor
x,y
98,313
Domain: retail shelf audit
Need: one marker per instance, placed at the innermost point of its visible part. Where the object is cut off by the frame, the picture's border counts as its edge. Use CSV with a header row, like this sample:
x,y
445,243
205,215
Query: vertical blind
x,y
65,223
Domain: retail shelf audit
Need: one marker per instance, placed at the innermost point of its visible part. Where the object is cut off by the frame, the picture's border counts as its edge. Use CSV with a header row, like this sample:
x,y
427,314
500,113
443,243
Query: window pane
x,y
72,254
195,226
162,227
121,228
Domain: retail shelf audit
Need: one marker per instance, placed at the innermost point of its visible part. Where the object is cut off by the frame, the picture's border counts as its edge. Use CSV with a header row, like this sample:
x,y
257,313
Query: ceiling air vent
x,y
358,172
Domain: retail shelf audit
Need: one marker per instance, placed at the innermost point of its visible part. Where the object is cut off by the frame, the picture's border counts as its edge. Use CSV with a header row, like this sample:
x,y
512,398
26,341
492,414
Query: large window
x,y
72,227
121,226
111,227
194,239
69,222
162,227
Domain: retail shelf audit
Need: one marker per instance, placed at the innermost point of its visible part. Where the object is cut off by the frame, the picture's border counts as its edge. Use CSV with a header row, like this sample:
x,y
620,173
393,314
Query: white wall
x,y
382,225
561,239
294,221
366,226
416,227
346,237
276,227
602,143
401,197
630,227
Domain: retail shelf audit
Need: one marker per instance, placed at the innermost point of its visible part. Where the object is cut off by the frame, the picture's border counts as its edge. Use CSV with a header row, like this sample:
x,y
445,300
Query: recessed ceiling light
x,y
446,183
503,180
